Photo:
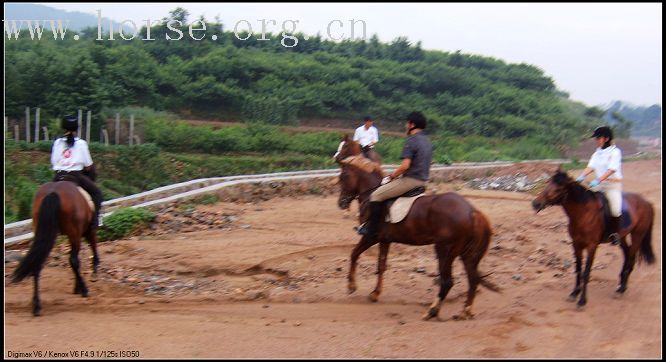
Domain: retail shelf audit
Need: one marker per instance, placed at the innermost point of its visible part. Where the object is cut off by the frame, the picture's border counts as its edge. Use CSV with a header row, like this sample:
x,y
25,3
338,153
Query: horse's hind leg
x,y
91,236
629,260
381,268
445,258
80,286
36,303
362,246
473,279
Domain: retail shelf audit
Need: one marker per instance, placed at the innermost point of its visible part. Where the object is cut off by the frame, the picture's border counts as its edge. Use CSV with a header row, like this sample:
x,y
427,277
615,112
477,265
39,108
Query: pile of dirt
x,y
521,177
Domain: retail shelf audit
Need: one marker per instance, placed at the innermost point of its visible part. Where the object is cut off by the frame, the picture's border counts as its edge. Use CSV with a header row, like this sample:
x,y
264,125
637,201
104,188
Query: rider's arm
x,y
375,136
606,175
87,159
404,166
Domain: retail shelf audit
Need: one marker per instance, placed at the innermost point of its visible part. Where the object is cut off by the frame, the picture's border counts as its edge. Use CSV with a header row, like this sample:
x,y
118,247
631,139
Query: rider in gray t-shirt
x,y
414,169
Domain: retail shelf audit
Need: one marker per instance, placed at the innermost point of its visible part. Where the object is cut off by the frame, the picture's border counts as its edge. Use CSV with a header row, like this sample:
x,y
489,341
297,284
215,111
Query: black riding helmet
x,y
603,131
70,123
418,119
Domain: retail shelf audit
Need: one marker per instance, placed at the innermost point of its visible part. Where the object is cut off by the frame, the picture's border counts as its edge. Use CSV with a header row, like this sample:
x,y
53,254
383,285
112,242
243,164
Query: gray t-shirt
x,y
419,149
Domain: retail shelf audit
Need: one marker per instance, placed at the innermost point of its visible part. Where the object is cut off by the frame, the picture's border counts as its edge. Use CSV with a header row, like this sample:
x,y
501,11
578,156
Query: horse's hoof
x,y
37,312
351,288
373,297
580,306
84,293
571,298
620,290
93,277
432,313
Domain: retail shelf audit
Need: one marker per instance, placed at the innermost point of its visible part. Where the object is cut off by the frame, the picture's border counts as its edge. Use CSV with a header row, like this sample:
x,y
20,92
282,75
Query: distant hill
x,y
646,120
77,19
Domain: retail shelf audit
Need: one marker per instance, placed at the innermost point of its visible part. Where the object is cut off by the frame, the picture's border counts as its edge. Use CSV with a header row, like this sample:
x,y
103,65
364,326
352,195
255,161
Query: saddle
x,y
399,207
604,207
82,191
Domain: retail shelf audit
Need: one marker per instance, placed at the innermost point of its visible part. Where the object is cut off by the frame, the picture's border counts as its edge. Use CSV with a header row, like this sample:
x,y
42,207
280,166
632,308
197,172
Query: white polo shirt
x,y
604,159
64,158
366,136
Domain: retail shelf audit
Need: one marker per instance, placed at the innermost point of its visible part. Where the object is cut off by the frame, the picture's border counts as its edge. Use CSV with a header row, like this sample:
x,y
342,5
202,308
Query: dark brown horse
x,y
587,227
58,208
447,220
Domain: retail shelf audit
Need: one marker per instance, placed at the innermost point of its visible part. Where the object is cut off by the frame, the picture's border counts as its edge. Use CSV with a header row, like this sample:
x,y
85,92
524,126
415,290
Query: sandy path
x,y
275,286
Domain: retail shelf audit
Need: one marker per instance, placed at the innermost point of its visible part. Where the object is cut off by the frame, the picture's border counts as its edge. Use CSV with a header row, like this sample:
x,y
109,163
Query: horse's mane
x,y
364,165
577,192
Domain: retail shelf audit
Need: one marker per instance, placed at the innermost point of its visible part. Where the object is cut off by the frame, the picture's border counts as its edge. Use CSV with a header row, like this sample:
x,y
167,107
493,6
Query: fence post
x,y
37,125
137,139
117,128
27,124
46,133
16,132
105,135
131,130
80,123
88,118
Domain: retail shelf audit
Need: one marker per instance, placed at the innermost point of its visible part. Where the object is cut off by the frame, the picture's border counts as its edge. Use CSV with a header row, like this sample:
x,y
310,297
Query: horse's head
x,y
555,191
348,147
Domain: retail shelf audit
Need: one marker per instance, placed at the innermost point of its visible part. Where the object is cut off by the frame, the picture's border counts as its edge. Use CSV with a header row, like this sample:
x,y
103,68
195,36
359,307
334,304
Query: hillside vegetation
x,y
479,108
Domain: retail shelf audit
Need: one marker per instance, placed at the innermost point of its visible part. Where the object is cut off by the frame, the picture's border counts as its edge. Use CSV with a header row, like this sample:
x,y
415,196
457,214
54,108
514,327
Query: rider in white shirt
x,y
606,163
367,136
71,161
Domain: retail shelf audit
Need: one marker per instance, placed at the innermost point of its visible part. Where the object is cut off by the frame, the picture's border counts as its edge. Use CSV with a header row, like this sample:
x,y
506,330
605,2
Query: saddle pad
x,y
362,163
87,197
400,208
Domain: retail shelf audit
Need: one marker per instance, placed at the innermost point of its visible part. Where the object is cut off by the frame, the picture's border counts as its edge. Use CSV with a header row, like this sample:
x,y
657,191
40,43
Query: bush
x,y
123,222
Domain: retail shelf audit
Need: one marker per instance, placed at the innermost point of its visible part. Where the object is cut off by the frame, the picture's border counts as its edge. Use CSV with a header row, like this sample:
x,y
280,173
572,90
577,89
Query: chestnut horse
x,y
58,208
447,220
587,227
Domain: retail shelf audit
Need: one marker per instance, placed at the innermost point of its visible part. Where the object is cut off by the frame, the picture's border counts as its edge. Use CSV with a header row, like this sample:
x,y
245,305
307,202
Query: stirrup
x,y
614,238
363,229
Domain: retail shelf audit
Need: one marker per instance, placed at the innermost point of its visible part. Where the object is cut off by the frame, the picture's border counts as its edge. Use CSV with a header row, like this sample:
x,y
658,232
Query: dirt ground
x,y
273,285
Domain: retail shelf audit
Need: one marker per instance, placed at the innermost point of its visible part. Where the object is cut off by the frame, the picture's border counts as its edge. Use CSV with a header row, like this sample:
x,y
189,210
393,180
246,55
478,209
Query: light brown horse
x,y
58,208
587,227
447,220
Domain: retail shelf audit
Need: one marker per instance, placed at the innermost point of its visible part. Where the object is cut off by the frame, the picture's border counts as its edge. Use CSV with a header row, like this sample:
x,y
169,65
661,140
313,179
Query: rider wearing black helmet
x,y
71,161
606,163
414,169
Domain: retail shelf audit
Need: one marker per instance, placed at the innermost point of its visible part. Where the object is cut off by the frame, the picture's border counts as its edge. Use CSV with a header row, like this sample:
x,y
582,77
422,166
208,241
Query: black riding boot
x,y
371,227
614,229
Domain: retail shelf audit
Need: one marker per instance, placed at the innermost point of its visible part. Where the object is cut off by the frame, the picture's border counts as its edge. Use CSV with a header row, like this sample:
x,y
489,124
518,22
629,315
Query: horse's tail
x,y
45,236
646,245
483,232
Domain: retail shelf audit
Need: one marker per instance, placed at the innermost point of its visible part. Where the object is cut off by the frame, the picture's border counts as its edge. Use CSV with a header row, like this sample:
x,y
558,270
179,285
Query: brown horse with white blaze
x,y
587,227
58,208
446,220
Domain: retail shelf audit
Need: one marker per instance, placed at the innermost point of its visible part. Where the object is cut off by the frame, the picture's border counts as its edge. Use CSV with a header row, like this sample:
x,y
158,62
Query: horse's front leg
x,y
578,254
381,268
586,275
362,246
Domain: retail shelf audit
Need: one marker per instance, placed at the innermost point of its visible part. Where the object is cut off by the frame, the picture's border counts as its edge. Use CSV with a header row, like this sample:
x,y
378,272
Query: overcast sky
x,y
596,52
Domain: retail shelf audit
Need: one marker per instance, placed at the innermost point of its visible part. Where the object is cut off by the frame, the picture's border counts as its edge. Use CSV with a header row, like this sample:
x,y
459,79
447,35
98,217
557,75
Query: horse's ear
x,y
345,138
